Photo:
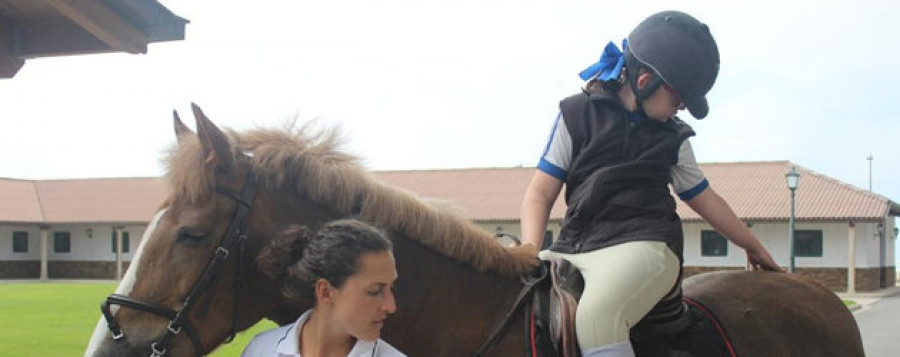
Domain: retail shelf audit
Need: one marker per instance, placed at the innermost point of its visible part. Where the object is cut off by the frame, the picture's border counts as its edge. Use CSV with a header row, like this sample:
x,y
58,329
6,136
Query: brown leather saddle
x,y
552,312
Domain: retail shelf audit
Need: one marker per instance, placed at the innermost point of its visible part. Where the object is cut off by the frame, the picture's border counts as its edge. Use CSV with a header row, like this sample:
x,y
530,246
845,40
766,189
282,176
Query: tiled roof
x,y
755,190
124,200
19,201
758,191
486,194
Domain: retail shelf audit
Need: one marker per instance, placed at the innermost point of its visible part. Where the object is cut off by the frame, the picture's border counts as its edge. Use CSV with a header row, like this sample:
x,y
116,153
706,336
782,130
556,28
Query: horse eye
x,y
190,238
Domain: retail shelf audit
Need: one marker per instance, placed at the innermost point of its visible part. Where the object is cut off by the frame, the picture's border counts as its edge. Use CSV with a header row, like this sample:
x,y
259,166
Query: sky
x,y
461,83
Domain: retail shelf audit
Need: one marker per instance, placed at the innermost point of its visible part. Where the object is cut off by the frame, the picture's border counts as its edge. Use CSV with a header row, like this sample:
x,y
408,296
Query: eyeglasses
x,y
678,101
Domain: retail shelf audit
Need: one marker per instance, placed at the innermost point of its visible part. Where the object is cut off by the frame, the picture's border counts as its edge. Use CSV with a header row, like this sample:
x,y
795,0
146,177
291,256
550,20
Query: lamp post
x,y
793,179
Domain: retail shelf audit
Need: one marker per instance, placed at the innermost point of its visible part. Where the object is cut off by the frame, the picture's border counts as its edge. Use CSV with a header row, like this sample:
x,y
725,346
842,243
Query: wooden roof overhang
x,y
44,28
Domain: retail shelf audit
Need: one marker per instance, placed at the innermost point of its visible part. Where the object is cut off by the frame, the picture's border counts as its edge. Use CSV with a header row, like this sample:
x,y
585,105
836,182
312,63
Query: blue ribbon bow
x,y
609,66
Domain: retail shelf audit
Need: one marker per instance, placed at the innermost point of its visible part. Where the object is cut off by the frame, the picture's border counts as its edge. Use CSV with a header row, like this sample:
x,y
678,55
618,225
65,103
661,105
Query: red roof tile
x,y
758,191
19,201
99,200
484,194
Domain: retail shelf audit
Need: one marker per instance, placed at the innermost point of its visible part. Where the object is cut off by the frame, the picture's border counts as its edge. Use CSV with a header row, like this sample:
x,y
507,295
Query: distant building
x,y
67,229
64,229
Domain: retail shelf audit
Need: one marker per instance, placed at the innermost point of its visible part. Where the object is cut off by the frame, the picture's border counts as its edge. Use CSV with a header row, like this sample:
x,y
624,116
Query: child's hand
x,y
760,259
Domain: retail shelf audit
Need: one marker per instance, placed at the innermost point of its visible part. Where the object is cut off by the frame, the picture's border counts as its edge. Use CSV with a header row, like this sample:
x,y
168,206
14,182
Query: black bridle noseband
x,y
235,237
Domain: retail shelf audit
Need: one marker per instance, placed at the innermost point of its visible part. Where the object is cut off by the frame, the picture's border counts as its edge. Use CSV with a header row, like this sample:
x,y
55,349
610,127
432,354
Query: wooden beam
x,y
106,25
9,66
10,63
56,37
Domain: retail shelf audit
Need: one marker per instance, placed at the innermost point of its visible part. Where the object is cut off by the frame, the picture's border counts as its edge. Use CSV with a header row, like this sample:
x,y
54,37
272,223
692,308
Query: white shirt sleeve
x,y
557,156
688,180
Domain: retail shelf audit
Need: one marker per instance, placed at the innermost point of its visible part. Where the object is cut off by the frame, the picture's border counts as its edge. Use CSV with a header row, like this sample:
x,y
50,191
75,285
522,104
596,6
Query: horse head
x,y
192,282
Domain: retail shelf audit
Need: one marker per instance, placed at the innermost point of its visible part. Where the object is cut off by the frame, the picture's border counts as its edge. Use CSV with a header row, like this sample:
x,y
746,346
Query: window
x,y
20,242
125,242
62,242
808,243
713,244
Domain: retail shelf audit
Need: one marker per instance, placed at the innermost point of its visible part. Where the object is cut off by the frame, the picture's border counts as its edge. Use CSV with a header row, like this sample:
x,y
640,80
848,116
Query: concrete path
x,y
877,315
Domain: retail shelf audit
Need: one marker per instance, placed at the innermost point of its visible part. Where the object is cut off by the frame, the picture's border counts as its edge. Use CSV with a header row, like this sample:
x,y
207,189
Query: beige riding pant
x,y
621,284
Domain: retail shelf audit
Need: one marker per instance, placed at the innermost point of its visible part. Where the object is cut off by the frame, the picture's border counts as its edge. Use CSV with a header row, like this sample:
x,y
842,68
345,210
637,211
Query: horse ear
x,y
215,145
181,130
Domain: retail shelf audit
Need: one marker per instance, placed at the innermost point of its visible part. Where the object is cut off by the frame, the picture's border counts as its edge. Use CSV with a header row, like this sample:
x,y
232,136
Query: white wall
x,y
515,229
775,237
6,242
96,246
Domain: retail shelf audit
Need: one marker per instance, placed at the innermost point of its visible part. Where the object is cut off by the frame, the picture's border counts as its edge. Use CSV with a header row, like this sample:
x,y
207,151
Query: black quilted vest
x,y
617,185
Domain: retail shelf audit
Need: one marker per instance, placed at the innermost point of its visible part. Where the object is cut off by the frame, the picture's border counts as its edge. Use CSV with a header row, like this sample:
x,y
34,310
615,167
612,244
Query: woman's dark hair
x,y
331,254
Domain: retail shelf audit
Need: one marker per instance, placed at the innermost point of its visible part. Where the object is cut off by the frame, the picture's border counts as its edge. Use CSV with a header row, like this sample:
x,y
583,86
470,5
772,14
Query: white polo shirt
x,y
282,342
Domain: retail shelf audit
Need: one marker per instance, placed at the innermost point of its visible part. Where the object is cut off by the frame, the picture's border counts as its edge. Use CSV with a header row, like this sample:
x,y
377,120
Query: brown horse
x,y
197,281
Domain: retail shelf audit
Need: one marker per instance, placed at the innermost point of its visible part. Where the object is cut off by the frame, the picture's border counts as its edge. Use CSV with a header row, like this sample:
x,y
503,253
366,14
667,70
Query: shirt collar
x,y
288,344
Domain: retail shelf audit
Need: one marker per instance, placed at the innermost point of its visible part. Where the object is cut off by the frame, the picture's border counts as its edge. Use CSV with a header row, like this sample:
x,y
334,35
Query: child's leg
x,y
622,284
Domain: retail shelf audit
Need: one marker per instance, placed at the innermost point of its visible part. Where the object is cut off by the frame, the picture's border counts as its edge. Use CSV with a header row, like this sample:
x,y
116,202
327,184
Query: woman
x,y
616,147
348,270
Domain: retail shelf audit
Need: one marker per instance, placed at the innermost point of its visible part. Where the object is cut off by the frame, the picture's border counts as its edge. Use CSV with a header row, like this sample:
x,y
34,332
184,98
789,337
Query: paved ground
x,y
877,316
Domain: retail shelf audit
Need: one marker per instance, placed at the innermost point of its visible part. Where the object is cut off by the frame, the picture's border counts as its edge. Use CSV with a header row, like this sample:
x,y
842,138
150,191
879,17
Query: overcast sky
x,y
461,83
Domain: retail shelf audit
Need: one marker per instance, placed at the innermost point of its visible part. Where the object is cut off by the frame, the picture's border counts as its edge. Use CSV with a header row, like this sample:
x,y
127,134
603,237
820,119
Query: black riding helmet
x,y
681,51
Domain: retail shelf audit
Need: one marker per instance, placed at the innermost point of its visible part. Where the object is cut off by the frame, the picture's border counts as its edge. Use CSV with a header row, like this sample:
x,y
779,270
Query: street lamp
x,y
793,179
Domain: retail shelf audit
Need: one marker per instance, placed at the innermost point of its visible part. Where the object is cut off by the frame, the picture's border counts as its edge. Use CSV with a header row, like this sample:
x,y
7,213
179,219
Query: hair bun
x,y
283,251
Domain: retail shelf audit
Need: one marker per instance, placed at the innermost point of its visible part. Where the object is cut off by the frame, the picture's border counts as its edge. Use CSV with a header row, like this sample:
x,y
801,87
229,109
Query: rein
x,y
235,237
529,282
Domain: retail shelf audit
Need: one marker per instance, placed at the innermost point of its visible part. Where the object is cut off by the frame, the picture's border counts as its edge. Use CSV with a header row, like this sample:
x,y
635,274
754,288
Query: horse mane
x,y
309,162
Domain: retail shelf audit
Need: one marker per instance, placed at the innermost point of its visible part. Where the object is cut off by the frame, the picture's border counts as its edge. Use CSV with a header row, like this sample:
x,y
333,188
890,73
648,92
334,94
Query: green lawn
x,y
57,319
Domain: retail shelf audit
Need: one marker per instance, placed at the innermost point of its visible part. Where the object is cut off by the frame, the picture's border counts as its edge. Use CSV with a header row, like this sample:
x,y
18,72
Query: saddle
x,y
676,326
552,313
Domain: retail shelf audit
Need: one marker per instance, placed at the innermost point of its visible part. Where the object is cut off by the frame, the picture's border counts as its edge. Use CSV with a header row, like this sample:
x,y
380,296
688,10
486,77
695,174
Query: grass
x,y
58,318
848,302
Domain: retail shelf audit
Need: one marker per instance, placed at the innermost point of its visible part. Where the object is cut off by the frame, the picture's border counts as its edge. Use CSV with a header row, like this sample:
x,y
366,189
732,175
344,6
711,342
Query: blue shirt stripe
x,y
552,134
552,170
694,191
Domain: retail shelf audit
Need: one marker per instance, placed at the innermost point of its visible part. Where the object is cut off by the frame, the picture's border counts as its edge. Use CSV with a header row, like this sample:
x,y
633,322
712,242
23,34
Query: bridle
x,y
529,282
235,237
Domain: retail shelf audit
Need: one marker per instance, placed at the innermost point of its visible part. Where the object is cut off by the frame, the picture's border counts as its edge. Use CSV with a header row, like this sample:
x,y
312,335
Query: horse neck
x,y
448,308
273,212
